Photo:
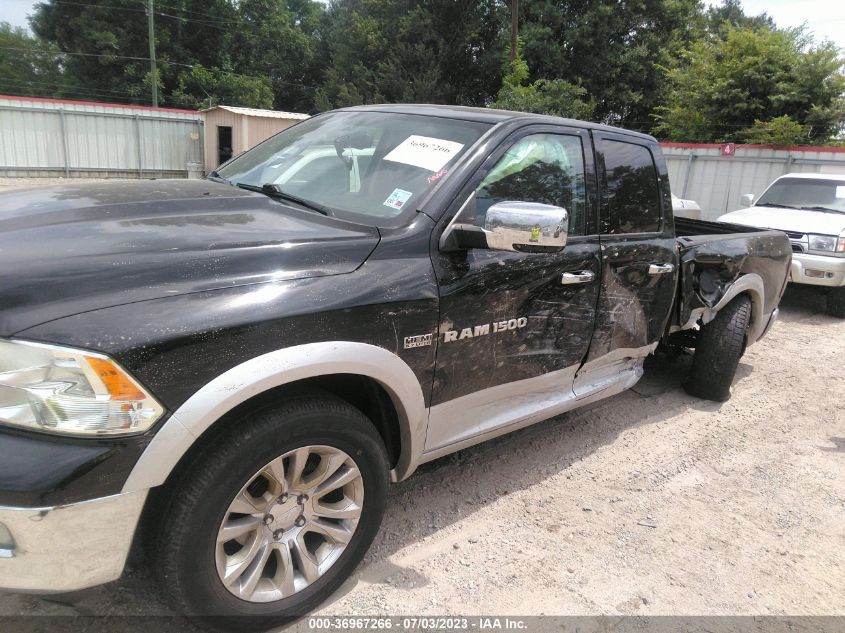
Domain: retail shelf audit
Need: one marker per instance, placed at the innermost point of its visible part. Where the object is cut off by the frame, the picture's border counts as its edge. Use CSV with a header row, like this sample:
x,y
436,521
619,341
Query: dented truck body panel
x,y
634,306
198,288
482,288
714,255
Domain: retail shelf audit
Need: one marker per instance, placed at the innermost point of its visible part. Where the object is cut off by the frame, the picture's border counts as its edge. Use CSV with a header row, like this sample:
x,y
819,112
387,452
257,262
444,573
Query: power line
x,y
163,60
152,58
114,7
210,15
211,22
27,82
70,87
82,93
97,6
58,52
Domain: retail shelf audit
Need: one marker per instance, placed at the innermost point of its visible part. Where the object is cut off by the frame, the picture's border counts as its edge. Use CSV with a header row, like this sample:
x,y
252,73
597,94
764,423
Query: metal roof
x,y
268,114
814,176
96,106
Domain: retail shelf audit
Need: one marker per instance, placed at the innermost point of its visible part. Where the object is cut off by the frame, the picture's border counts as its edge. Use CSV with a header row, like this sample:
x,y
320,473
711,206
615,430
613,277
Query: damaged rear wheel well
x,y
688,337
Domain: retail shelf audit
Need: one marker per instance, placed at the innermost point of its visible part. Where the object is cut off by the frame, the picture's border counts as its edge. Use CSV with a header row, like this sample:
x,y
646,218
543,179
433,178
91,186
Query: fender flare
x,y
752,285
276,368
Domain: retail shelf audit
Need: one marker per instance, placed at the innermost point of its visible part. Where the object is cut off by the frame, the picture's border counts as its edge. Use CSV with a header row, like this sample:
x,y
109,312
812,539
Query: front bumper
x,y
69,547
832,269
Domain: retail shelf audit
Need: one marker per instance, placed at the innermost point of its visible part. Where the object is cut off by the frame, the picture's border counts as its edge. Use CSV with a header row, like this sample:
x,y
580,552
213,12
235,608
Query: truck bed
x,y
714,255
687,227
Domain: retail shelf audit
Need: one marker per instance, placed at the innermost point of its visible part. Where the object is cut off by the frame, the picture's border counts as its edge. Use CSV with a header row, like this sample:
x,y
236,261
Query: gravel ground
x,y
651,502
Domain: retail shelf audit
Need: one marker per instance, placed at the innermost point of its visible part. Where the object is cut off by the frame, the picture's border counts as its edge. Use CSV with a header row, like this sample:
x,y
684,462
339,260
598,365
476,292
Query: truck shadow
x,y
804,303
445,491
440,494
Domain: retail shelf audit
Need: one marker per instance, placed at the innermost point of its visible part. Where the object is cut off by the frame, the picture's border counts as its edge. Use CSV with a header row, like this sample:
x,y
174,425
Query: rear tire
x,y
266,522
836,302
720,345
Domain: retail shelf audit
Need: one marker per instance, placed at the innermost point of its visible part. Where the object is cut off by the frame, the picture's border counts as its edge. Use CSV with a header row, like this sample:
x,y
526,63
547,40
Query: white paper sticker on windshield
x,y
840,192
397,199
424,151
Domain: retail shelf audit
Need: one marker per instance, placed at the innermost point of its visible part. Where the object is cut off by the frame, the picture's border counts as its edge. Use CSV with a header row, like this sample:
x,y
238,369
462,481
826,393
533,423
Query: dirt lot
x,y
651,502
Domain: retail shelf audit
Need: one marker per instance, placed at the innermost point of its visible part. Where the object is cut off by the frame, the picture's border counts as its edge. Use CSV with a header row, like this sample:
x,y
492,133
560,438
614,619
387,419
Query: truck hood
x,y
795,220
80,247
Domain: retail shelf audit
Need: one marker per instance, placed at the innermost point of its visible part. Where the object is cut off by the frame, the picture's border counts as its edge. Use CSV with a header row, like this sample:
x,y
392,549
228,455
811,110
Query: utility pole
x,y
514,26
152,37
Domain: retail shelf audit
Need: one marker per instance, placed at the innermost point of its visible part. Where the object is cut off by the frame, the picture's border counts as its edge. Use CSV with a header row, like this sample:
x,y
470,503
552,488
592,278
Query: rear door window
x,y
631,189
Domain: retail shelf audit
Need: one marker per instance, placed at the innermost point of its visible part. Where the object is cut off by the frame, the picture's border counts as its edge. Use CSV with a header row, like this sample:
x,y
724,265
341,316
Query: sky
x,y
14,11
825,18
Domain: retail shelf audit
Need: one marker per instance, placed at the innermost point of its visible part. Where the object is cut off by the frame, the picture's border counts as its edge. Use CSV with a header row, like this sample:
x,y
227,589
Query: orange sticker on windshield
x,y
437,176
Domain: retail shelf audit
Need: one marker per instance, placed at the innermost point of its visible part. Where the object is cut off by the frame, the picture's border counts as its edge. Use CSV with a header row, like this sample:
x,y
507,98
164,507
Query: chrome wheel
x,y
289,523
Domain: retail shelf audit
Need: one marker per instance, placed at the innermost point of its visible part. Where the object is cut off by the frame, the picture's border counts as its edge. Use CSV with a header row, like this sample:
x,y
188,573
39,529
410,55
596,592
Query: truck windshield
x,y
819,194
369,167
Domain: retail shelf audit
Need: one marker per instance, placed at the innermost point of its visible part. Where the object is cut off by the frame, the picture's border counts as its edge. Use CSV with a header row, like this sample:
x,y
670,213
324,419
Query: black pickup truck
x,y
232,370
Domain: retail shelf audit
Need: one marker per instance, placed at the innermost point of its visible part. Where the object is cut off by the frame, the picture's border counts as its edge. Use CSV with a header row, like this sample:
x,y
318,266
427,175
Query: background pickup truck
x,y
232,370
810,209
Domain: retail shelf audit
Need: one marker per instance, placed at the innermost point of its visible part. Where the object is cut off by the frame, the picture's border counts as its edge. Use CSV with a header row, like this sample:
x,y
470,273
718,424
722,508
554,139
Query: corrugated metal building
x,y
232,130
54,137
717,176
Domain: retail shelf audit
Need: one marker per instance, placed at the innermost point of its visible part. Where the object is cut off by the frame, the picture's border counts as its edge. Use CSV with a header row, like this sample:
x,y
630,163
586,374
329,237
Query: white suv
x,y
810,209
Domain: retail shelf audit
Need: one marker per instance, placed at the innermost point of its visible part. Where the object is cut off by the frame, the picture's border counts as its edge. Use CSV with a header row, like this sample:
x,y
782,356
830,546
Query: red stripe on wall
x,y
739,146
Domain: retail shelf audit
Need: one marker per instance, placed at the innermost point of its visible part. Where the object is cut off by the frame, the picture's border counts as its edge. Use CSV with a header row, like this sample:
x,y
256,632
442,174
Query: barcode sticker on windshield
x,y
424,151
397,199
840,192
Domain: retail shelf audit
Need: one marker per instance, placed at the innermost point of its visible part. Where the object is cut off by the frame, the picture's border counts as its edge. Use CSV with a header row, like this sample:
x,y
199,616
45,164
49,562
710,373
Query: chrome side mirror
x,y
747,200
521,226
509,226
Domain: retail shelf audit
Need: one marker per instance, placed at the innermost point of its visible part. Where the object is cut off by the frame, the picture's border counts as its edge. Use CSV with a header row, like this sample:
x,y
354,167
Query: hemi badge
x,y
417,341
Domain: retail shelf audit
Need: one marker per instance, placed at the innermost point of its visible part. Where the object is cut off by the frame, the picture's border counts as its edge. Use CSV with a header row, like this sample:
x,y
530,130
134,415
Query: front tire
x,y
718,349
836,302
265,523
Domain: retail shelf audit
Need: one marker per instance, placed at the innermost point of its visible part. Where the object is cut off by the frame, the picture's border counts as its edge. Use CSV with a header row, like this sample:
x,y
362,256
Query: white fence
x,y
44,137
716,176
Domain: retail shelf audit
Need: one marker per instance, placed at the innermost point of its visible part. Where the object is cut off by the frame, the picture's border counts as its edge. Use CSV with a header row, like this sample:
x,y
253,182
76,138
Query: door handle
x,y
660,269
580,277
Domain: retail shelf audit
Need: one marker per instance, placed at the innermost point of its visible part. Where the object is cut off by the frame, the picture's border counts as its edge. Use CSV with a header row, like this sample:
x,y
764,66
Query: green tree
x,y
219,86
720,18
616,51
723,18
544,96
435,51
725,87
216,49
277,40
781,131
27,66
106,47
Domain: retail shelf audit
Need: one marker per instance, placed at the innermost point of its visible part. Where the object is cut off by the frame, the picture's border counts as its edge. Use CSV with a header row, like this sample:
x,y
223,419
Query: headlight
x,y
822,243
70,391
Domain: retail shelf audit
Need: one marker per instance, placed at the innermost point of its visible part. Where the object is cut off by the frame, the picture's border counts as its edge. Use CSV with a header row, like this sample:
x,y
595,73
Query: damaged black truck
x,y
229,372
